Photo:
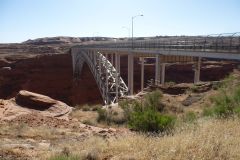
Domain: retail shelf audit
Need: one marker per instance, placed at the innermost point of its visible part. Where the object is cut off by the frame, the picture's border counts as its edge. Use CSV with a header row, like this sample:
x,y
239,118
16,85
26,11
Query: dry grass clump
x,y
87,117
87,107
110,115
209,139
22,130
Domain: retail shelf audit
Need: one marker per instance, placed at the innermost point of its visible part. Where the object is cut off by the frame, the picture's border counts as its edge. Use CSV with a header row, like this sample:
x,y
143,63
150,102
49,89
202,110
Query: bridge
x,y
103,58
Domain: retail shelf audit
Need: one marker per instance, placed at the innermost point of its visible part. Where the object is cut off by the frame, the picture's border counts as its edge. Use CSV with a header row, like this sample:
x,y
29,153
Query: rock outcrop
x,y
32,103
47,105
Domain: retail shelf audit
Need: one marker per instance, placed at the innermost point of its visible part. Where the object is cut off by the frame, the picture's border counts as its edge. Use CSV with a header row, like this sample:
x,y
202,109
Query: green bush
x,y
237,111
144,115
226,82
153,100
101,114
129,106
150,120
225,104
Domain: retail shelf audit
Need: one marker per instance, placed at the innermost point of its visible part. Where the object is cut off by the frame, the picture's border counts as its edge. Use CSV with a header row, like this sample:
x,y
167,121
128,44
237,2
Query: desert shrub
x,y
226,82
225,104
129,106
236,96
194,88
95,107
153,100
150,120
101,114
237,111
222,107
86,108
144,115
111,115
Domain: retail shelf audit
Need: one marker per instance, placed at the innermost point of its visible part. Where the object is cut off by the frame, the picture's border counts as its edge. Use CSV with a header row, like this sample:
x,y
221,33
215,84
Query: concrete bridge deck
x,y
103,58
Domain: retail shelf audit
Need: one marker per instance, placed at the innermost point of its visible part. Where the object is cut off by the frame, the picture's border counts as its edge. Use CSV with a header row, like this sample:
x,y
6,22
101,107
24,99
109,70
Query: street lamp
x,y
140,15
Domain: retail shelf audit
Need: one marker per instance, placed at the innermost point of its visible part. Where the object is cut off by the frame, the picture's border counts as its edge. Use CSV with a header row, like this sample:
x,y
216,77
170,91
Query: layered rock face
x,y
49,75
29,103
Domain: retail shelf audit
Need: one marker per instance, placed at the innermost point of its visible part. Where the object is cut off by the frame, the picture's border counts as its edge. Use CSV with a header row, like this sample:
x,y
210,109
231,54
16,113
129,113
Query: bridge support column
x,y
197,69
117,66
142,73
163,66
130,72
117,62
112,57
106,80
157,69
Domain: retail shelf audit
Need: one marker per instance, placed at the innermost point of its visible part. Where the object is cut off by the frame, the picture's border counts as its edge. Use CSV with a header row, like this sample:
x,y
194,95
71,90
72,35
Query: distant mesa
x,y
65,40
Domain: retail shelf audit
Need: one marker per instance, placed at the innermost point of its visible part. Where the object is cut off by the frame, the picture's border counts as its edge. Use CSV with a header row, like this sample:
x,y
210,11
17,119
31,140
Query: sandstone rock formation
x,y
47,105
32,103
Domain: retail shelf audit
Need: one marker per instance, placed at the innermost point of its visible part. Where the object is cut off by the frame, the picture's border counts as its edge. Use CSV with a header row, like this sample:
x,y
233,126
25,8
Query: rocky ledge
x,y
28,103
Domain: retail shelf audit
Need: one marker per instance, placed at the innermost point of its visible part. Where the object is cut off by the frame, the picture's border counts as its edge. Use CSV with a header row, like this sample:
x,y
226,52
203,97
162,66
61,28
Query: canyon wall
x,y
50,75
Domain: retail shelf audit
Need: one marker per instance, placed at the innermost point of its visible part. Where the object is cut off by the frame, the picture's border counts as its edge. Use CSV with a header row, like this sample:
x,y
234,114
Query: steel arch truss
x,y
109,82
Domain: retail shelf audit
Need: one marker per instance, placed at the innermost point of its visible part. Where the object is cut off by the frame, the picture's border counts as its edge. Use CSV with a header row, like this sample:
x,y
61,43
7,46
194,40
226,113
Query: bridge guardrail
x,y
226,42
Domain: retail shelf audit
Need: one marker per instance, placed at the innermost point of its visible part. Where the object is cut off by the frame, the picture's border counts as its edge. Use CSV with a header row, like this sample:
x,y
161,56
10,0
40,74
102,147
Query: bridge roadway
x,y
103,58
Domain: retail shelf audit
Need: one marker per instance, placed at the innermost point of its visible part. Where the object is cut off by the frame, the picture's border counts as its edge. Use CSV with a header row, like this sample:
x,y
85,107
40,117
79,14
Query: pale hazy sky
x,y
28,19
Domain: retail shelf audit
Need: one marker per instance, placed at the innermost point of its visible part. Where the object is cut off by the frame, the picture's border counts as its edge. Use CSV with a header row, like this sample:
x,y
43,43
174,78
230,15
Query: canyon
x,y
45,67
34,126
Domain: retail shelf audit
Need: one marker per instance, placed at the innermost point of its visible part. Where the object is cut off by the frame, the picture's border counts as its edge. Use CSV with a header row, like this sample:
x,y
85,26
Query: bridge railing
x,y
226,42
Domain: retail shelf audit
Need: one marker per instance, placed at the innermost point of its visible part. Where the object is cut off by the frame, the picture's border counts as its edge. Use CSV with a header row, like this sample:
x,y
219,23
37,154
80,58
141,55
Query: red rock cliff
x,y
50,75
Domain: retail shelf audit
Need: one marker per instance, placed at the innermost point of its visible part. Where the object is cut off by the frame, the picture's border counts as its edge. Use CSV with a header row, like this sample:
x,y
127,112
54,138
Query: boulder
x,y
42,103
34,100
191,99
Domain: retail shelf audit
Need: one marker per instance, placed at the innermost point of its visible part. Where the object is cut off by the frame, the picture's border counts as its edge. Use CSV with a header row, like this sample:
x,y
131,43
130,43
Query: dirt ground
x,y
34,136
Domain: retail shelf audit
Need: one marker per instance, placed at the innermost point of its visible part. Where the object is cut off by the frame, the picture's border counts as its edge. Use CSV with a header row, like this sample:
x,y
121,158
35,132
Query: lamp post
x,y
140,15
